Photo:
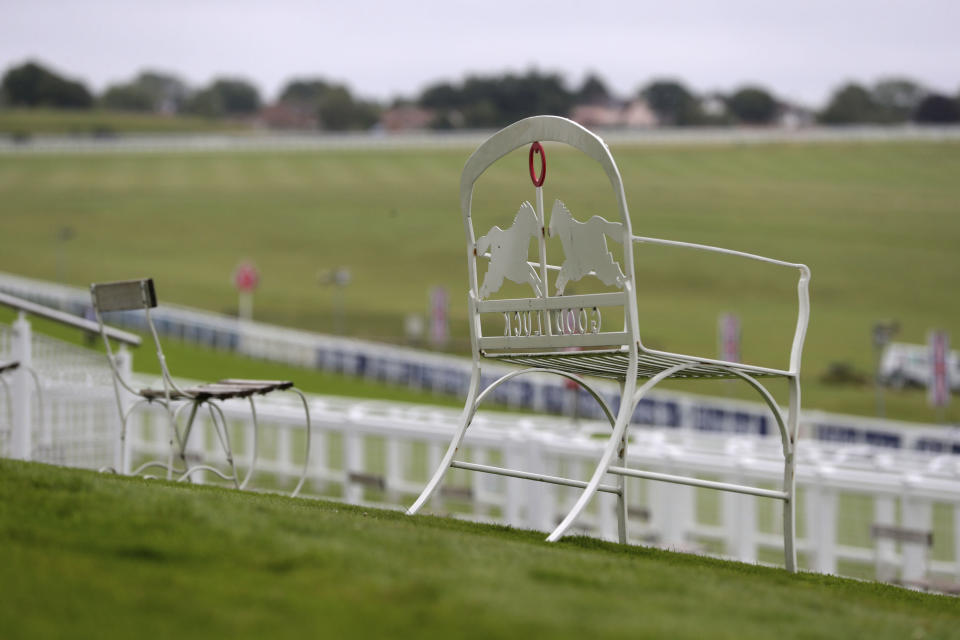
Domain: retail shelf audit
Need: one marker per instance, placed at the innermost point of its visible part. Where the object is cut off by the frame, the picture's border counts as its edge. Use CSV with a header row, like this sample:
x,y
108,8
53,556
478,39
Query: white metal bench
x,y
564,334
140,295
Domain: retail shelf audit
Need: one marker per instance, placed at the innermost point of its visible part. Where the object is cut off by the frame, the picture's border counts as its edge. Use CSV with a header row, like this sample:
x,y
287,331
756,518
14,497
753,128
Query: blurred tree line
x,y
478,101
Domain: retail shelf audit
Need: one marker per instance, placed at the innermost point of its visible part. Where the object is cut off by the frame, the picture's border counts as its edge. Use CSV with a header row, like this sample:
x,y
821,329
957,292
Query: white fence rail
x,y
301,141
865,511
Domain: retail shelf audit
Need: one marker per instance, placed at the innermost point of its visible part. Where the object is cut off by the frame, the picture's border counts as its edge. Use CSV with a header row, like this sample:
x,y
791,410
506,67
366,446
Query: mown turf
x,y
88,555
877,223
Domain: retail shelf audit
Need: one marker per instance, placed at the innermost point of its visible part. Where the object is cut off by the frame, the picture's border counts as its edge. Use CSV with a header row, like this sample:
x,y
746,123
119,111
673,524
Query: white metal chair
x,y
564,335
131,295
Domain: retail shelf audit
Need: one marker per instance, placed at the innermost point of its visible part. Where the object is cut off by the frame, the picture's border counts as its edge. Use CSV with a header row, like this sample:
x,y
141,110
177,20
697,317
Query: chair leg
x,y
622,495
224,440
306,459
469,410
253,454
790,481
613,445
182,442
617,443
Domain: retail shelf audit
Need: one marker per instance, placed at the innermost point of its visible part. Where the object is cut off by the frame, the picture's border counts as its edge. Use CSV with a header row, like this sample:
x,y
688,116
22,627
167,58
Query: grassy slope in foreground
x,y
92,555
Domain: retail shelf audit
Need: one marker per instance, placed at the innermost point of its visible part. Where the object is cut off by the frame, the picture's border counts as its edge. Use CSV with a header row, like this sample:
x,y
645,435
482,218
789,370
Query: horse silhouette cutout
x,y
585,248
509,250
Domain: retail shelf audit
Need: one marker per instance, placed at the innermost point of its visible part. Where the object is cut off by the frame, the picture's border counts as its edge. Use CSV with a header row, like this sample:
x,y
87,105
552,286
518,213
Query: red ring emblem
x,y
535,148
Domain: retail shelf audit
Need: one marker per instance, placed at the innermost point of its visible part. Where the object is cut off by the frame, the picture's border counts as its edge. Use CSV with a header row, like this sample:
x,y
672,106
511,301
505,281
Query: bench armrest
x,y
803,295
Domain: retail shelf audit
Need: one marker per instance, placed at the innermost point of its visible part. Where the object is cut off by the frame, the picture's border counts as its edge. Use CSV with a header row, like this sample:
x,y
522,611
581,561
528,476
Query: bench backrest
x,y
126,295
548,320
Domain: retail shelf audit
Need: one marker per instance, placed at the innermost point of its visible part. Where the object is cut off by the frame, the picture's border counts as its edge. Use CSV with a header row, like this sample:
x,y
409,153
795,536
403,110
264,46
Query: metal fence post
x,y
394,468
917,514
21,445
124,362
538,513
516,490
353,463
884,514
739,519
956,541
821,517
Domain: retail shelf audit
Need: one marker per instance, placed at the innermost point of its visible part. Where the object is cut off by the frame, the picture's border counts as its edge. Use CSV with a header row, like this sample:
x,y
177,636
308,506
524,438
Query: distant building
x,y
406,118
635,114
714,105
286,115
792,116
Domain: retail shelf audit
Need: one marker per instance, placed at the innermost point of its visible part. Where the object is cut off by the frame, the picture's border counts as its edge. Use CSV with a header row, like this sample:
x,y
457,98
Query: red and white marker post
x,y
439,314
245,279
728,337
939,387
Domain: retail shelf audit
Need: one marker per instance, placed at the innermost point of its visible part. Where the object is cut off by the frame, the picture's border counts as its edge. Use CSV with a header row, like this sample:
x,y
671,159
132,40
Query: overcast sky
x,y
799,50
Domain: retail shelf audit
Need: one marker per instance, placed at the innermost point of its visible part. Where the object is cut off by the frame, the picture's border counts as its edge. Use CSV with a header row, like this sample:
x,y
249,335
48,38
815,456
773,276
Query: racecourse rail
x,y
320,141
449,375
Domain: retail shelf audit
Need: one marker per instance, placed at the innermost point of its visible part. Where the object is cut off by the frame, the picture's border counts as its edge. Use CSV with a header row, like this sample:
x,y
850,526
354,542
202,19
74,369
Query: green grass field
x,y
86,555
27,122
877,223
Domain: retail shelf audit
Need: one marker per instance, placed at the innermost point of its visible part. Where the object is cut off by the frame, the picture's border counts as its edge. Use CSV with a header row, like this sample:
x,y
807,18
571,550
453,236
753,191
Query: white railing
x,y
865,511
322,141
449,375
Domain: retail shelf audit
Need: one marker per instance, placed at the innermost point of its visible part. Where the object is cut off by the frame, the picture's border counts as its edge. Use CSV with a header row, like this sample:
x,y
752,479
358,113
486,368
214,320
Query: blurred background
x,y
321,144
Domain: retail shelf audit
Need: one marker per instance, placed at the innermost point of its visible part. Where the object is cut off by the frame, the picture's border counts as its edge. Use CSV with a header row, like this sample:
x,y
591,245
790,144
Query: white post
x,y
536,492
917,514
245,305
884,515
739,517
607,514
121,455
821,517
956,541
352,463
435,451
671,510
548,506
319,459
480,482
285,451
516,498
394,469
195,448
20,440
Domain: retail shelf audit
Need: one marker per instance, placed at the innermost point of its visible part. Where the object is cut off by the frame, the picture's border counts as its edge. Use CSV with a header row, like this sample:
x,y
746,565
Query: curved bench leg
x,y
622,486
306,459
215,411
790,480
613,445
627,404
254,445
469,410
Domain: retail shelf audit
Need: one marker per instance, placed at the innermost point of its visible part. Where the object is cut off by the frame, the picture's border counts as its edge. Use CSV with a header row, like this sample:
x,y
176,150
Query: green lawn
x,y
101,122
879,225
86,555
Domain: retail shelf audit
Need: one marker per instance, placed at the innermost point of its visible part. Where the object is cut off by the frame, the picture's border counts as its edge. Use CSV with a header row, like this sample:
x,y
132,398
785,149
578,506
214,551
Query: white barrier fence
x,y
449,375
864,511
322,141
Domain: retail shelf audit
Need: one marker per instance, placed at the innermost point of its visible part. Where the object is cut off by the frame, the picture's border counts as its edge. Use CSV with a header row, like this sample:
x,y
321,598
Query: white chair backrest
x,y
127,295
548,320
